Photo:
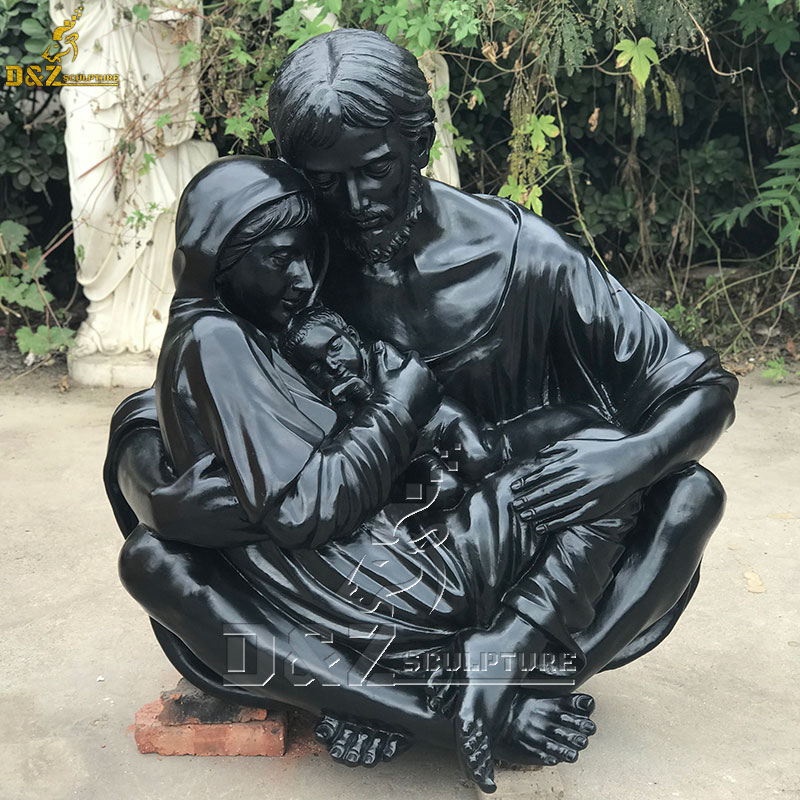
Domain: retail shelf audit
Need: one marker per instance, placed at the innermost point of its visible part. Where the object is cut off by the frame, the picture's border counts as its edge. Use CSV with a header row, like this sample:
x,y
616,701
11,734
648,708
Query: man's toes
x,y
583,703
372,752
342,742
486,782
326,729
394,746
578,741
538,757
474,751
561,752
579,723
355,751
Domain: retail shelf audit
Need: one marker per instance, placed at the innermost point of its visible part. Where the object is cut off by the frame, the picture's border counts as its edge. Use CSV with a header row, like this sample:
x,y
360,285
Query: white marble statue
x,y
130,153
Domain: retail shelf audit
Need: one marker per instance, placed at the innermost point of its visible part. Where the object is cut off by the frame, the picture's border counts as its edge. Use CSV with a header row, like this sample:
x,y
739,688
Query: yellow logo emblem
x,y
65,41
70,39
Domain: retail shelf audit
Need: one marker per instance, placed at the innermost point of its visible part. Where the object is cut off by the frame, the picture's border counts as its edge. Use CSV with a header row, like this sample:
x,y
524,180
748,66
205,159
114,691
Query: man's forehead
x,y
354,148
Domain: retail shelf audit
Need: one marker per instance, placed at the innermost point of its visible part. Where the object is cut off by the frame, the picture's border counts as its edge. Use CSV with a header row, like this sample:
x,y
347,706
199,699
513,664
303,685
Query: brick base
x,y
261,734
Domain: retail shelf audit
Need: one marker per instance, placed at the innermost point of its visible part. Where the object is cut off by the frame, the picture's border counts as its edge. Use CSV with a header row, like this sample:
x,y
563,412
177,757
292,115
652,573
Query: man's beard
x,y
368,246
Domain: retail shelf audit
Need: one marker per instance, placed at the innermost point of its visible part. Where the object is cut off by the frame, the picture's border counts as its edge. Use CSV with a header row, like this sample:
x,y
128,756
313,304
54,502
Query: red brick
x,y
185,703
266,737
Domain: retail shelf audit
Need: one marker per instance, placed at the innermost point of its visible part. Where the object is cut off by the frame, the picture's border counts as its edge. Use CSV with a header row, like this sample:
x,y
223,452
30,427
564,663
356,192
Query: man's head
x,y
352,111
328,351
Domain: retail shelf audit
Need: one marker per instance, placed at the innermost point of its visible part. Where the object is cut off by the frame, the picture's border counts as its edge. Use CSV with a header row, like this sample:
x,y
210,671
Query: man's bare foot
x,y
354,744
545,731
539,731
493,672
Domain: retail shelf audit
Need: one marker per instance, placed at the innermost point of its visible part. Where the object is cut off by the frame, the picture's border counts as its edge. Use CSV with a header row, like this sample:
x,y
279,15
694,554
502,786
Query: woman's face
x,y
273,279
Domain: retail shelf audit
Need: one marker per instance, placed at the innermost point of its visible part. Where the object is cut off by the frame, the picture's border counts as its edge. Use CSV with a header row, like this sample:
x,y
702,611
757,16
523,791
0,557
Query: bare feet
x,y
546,731
492,674
355,745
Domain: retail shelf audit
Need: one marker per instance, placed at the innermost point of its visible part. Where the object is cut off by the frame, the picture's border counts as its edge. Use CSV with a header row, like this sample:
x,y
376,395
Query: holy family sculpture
x,y
411,461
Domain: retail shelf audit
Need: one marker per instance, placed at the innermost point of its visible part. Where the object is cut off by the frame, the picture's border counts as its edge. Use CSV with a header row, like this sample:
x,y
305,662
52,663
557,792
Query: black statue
x,y
558,421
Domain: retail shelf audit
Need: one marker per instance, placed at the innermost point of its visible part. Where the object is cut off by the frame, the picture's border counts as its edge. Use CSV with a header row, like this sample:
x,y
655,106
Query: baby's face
x,y
331,356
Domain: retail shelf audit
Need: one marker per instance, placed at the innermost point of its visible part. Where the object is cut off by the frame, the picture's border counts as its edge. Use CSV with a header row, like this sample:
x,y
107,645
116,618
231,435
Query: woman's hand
x,y
407,379
579,480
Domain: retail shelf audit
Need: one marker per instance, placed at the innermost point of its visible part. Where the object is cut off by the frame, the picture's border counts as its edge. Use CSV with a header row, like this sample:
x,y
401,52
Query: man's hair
x,y
289,212
302,322
348,77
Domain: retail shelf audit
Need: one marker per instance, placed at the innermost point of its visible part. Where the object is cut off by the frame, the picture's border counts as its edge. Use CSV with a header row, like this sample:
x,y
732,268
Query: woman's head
x,y
246,235
265,271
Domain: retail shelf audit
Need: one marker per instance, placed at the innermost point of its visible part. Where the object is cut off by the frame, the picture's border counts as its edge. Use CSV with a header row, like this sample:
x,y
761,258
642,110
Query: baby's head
x,y
328,351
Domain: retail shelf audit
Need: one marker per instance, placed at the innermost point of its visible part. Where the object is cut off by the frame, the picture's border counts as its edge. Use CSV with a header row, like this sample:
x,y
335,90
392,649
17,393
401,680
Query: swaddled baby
x,y
329,353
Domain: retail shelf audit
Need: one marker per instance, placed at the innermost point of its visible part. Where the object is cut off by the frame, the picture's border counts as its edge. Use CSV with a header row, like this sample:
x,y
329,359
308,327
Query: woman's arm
x,y
198,507
294,490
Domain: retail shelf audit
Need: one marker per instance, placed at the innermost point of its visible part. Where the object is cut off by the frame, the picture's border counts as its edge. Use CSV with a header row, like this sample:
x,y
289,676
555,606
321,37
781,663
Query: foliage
x,y
22,295
658,132
31,138
778,196
776,370
661,133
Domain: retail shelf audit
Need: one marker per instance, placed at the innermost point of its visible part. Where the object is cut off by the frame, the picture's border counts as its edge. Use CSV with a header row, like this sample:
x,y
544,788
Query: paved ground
x,y
710,714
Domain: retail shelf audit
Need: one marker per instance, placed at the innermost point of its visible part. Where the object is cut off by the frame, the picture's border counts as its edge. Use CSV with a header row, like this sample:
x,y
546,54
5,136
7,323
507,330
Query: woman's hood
x,y
214,202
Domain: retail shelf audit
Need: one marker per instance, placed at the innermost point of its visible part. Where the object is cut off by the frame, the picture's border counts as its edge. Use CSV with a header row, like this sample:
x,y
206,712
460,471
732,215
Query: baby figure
x,y
329,353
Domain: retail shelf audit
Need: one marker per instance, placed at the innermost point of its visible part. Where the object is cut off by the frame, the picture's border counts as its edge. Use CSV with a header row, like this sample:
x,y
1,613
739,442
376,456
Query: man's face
x,y
365,183
273,280
331,356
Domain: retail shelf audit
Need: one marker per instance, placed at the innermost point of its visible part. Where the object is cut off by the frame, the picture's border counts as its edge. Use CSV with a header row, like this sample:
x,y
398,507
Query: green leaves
x,y
240,127
239,54
540,129
44,340
394,18
190,52
781,29
529,196
420,33
142,11
781,34
640,55
148,160
778,196
12,236
19,287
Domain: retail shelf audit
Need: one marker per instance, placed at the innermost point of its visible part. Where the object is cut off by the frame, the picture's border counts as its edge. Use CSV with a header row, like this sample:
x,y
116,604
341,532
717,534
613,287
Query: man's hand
x,y
579,480
407,379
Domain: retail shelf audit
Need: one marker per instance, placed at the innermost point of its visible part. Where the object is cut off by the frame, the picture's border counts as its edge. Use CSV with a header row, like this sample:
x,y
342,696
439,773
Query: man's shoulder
x,y
501,223
471,211
464,229
541,243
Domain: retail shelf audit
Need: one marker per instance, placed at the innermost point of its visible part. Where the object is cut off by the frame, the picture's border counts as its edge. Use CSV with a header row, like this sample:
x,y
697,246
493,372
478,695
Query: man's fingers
x,y
556,487
544,470
548,509
581,515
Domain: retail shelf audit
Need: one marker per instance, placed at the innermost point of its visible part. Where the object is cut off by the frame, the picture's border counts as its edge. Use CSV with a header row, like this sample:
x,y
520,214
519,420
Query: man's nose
x,y
354,195
301,275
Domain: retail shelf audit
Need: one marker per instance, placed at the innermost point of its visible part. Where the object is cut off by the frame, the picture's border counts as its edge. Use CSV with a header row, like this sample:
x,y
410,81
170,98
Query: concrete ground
x,y
712,713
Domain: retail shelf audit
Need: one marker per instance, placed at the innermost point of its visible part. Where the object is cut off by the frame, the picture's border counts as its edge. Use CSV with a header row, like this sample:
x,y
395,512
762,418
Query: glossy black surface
x,y
266,500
